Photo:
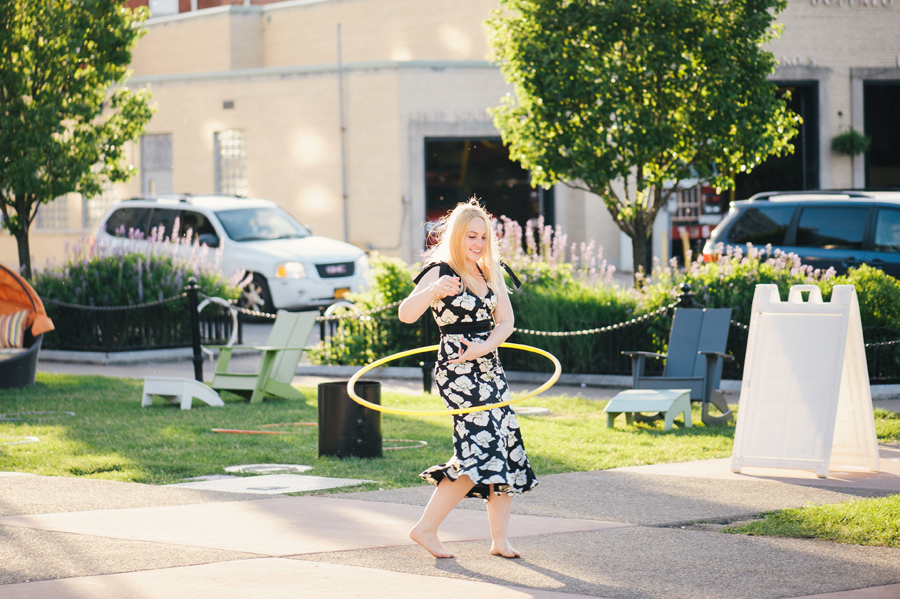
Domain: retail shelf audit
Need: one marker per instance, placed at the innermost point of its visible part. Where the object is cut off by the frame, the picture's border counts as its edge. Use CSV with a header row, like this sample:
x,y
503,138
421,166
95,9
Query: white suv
x,y
292,269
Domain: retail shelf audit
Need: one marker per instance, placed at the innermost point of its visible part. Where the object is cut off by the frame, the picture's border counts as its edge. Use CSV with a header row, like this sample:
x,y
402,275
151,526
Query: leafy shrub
x,y
878,294
577,306
360,340
731,280
128,275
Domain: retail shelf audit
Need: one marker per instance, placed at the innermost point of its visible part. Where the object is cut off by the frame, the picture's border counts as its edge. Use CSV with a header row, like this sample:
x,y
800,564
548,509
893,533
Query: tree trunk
x,y
22,204
640,255
24,254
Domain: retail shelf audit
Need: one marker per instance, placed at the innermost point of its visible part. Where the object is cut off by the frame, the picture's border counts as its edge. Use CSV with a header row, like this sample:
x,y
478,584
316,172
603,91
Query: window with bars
x,y
231,162
54,215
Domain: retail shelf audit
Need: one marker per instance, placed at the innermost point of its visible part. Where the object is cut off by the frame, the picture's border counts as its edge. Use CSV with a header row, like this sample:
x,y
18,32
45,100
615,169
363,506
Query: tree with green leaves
x,y
627,99
65,114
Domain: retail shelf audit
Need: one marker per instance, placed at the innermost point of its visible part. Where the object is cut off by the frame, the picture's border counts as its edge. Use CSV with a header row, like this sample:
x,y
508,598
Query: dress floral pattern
x,y
487,445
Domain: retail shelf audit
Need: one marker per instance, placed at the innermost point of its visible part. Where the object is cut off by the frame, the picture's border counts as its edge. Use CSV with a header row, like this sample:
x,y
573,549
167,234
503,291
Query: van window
x,y
128,222
832,227
761,226
887,231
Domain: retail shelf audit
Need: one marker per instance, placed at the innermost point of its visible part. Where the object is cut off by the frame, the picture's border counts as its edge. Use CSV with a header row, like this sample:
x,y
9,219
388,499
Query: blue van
x,y
837,229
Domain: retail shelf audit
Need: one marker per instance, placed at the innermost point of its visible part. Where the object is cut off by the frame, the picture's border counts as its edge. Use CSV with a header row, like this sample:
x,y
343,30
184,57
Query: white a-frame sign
x,y
805,398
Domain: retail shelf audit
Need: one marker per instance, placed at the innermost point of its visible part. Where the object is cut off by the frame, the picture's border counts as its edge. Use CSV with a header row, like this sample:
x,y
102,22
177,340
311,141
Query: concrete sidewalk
x,y
632,533
625,533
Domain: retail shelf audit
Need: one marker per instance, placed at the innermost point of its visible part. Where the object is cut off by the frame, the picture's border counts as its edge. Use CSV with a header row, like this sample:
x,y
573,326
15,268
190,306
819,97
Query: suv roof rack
x,y
853,193
181,197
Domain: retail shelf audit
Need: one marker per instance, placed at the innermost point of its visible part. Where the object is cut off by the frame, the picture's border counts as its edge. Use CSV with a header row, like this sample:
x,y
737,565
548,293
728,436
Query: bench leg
x,y
610,419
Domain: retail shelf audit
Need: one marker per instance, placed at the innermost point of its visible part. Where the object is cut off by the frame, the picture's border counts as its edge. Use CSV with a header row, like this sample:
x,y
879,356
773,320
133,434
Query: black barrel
x,y
347,429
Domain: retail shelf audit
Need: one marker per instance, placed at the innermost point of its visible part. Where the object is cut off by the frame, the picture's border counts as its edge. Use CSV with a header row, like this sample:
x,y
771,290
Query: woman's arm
x,y
431,287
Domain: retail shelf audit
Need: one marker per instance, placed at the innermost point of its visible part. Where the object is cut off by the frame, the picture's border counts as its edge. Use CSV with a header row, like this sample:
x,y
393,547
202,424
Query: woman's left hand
x,y
472,351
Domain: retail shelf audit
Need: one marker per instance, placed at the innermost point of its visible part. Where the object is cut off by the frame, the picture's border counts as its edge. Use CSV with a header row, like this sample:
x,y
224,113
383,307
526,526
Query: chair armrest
x,y
722,355
646,354
257,347
638,358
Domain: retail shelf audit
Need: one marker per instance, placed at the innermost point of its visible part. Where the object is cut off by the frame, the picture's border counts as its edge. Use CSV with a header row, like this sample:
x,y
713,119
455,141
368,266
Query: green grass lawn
x,y
94,427
110,436
861,522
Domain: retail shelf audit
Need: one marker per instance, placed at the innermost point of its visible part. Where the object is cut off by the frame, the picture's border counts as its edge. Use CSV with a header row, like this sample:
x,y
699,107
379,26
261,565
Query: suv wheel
x,y
256,296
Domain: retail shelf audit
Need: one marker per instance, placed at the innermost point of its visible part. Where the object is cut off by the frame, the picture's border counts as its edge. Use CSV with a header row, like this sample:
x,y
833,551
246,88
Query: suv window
x,y
162,221
887,231
126,222
247,224
761,226
832,227
199,226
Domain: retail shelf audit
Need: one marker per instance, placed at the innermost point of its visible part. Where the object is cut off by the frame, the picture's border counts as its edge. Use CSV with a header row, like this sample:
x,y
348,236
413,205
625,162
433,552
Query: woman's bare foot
x,y
430,541
504,550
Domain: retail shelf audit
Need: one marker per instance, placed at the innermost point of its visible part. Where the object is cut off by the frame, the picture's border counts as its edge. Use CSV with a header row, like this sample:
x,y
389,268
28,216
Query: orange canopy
x,y
16,294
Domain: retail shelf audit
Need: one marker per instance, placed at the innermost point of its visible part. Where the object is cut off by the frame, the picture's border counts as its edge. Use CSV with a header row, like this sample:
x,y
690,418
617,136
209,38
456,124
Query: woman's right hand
x,y
425,294
445,287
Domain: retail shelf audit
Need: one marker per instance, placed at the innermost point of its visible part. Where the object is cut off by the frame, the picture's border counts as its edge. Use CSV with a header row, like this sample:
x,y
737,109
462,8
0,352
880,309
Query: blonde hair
x,y
450,232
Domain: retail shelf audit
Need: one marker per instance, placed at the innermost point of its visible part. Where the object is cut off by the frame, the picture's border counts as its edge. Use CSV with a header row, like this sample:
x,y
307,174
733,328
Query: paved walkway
x,y
639,532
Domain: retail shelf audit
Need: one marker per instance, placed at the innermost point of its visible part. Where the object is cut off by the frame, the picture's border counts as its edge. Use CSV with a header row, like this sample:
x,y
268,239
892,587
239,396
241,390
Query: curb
x,y
385,372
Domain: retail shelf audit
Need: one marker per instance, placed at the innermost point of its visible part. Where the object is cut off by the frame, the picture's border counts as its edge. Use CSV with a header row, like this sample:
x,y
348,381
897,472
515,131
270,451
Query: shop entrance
x,y
797,171
458,168
881,103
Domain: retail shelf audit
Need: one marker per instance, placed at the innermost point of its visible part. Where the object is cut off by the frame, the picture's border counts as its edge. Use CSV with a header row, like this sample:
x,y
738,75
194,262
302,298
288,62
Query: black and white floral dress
x,y
487,445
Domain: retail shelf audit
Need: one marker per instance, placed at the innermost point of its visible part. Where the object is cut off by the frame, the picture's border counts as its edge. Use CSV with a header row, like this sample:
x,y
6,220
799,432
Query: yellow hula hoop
x,y
352,383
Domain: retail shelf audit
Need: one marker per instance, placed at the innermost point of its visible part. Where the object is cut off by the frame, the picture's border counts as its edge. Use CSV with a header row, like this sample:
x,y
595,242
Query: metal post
x,y
343,131
192,290
427,366
687,298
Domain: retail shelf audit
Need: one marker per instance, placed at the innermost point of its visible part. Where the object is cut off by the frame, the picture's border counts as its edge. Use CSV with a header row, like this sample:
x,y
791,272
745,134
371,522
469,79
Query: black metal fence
x,y
362,338
158,325
594,353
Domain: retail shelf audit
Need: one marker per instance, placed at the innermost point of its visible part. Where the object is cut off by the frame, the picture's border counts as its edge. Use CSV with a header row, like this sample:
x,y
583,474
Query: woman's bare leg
x,y
498,509
445,497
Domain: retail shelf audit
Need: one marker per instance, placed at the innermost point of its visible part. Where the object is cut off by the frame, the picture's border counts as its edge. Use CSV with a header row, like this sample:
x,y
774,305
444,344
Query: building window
x,y
231,162
53,216
882,124
161,8
156,164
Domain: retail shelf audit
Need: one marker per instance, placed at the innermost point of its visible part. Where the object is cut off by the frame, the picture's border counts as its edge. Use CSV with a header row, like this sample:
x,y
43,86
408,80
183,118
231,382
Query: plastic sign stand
x,y
805,398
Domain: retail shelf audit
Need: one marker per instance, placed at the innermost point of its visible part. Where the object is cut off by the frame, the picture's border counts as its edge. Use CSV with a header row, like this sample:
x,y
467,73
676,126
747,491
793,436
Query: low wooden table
x,y
670,402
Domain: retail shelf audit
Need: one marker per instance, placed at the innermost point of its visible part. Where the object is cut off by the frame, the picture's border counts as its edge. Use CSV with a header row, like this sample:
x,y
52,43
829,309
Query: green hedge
x,y
560,296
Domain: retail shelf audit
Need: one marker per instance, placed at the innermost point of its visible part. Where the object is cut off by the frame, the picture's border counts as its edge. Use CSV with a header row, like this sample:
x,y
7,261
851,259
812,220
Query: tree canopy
x,y
65,115
648,92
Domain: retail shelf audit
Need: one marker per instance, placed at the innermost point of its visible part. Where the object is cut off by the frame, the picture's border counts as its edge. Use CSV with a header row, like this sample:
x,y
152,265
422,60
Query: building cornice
x,y
303,70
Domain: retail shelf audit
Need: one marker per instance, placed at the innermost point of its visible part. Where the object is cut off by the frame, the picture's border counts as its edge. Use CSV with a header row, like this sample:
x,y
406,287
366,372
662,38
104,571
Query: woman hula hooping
x,y
463,285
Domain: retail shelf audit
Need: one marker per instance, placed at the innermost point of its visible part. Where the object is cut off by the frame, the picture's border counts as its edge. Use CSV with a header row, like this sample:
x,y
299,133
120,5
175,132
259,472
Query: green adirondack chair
x,y
278,362
694,360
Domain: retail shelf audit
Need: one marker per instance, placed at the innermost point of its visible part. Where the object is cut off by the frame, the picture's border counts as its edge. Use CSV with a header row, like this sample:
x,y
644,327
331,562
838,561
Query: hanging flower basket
x,y
850,143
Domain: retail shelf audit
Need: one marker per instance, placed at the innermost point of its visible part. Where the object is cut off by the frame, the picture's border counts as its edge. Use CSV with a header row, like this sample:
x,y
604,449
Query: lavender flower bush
x,y
563,294
538,255
129,273
731,281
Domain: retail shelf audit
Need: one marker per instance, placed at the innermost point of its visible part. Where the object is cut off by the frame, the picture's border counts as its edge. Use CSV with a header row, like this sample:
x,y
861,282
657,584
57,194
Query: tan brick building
x,y
364,118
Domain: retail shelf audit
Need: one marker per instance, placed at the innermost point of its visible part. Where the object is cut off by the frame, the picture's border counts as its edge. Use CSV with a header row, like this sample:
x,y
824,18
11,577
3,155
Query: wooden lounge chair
x,y
278,362
694,359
